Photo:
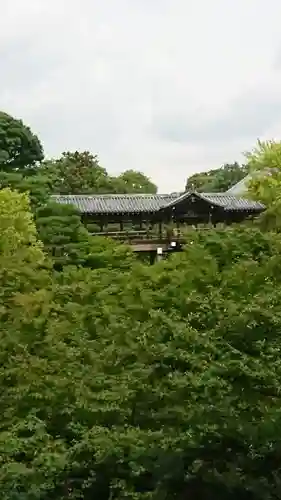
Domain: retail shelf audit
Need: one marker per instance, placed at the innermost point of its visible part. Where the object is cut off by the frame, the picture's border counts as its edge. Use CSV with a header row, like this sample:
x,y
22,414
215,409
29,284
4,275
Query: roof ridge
x,y
145,202
116,195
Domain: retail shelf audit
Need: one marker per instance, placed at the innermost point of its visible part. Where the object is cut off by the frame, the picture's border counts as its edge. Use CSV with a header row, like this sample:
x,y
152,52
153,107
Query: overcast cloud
x,y
168,87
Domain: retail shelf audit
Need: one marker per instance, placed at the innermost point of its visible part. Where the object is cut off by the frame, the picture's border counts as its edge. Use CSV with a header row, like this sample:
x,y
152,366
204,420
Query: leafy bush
x,y
147,382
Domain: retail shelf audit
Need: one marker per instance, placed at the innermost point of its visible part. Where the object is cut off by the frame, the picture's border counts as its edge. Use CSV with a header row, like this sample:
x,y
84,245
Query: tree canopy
x,y
76,173
131,181
17,228
21,254
218,180
147,381
81,173
19,148
121,380
37,186
264,163
67,241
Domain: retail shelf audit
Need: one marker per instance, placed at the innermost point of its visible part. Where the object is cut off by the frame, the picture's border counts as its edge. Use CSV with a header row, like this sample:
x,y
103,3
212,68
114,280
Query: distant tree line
x,y
22,165
217,180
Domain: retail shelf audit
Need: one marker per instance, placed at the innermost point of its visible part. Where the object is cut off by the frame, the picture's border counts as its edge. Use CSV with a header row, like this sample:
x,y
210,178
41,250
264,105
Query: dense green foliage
x,y
80,173
67,241
76,173
264,162
131,181
37,186
140,381
218,180
19,147
123,380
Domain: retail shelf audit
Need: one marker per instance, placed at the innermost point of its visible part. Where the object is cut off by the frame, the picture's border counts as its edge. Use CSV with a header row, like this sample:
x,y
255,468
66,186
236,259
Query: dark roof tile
x,y
116,203
149,203
224,200
231,202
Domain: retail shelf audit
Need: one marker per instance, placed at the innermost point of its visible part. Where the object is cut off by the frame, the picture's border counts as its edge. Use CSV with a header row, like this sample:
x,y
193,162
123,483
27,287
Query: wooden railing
x,y
148,235
142,236
130,236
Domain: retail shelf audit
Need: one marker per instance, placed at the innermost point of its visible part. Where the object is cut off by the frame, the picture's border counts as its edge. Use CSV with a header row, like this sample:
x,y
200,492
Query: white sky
x,y
168,87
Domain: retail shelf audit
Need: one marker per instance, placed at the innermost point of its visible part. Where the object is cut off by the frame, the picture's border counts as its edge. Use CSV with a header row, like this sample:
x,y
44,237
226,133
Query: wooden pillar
x,y
160,230
121,225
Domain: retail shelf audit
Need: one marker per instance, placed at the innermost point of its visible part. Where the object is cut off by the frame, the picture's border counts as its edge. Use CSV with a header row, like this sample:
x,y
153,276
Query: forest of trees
x,y
122,380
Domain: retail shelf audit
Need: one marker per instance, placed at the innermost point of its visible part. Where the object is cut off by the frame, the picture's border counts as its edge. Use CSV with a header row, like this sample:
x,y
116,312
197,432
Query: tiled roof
x,y
231,202
140,203
116,203
224,200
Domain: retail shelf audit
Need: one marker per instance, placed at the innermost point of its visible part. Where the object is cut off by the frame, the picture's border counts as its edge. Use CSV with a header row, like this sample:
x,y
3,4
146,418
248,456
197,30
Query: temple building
x,y
147,216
